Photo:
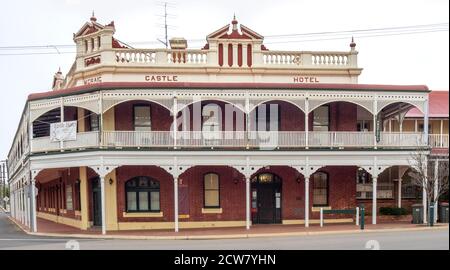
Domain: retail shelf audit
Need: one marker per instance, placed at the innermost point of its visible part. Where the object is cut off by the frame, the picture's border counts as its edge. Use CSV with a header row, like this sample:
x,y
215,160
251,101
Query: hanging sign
x,y
63,131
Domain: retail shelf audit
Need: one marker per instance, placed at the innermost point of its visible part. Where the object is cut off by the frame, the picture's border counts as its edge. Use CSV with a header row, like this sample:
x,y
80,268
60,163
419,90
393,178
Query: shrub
x,y
393,211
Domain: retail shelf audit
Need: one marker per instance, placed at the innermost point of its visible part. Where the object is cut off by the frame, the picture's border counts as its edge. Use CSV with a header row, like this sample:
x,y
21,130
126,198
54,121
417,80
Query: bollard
x,y
363,210
357,216
321,217
431,215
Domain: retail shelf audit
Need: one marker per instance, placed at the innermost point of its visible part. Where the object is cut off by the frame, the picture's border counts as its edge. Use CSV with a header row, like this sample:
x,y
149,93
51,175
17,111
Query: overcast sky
x,y
396,59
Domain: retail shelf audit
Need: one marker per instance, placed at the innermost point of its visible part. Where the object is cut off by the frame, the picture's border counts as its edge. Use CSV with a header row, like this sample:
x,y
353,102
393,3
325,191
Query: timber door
x,y
266,200
96,202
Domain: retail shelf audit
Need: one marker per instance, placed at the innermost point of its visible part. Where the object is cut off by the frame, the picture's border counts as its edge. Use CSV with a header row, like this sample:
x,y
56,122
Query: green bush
x,y
393,211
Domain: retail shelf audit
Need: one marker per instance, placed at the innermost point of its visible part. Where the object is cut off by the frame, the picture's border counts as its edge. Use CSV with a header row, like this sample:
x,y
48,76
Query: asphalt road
x,y
12,237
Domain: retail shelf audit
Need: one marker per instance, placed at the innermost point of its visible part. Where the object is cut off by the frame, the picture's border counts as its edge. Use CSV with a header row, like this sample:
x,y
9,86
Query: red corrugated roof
x,y
438,105
178,85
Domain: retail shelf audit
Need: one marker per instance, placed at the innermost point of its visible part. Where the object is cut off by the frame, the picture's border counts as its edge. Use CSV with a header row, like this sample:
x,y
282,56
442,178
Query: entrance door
x,y
96,202
266,203
266,199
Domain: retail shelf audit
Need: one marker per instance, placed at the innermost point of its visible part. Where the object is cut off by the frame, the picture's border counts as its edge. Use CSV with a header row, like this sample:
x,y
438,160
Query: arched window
x,y
142,195
211,190
320,189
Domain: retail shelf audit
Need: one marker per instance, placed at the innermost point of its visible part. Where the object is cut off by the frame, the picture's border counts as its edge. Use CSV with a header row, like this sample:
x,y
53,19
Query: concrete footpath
x,y
51,229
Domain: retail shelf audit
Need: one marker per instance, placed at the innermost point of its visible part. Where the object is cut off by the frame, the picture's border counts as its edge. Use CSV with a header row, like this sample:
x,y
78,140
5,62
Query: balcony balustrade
x,y
234,140
286,59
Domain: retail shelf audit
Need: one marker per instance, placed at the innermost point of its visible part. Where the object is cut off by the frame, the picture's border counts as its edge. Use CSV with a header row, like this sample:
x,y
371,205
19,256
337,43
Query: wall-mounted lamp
x,y
236,181
111,181
299,180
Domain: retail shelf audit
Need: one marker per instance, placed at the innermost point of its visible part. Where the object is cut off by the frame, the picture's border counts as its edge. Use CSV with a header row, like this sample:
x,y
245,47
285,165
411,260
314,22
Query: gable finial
x,y
234,22
93,18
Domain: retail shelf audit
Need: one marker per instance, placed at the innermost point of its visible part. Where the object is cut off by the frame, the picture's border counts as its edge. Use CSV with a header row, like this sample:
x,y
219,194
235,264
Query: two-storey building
x,y
232,134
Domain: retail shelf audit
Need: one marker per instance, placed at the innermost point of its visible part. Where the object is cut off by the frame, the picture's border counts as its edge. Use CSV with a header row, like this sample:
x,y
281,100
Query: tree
x,y
425,174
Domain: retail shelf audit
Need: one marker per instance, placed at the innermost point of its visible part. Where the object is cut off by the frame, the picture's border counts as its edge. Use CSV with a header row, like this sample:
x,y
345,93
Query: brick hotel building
x,y
304,134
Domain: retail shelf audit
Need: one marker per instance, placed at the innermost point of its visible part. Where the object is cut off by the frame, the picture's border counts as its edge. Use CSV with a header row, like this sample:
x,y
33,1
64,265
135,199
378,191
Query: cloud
x,y
73,2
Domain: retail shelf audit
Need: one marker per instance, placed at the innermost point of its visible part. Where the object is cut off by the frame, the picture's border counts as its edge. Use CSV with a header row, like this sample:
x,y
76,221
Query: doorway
x,y
266,199
96,202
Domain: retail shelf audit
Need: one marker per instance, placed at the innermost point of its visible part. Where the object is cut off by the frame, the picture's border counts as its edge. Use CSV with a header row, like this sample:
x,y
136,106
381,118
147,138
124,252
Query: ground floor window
x,y
142,195
320,189
211,190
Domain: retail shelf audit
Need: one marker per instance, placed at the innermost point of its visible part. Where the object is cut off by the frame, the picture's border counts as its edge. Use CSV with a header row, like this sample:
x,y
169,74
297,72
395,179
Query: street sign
x,y
6,199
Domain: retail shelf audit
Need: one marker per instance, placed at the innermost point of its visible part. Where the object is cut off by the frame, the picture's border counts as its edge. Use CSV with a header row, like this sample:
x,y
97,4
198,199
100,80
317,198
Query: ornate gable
x,y
237,32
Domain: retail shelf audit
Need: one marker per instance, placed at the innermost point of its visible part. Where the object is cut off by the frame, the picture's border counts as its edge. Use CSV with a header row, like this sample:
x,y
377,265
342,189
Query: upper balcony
x,y
271,125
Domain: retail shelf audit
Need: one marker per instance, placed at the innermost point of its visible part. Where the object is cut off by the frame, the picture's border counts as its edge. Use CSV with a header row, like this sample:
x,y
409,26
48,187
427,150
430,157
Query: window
x,y
142,195
363,177
321,119
320,189
211,117
142,120
268,117
211,191
362,126
69,201
93,122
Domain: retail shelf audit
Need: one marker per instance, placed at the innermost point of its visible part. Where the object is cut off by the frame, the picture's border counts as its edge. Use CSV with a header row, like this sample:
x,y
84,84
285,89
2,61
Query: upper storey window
x,y
142,118
321,119
211,118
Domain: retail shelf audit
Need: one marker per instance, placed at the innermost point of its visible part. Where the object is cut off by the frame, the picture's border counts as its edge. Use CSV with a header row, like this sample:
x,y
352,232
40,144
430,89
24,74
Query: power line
x,y
363,30
359,37
321,36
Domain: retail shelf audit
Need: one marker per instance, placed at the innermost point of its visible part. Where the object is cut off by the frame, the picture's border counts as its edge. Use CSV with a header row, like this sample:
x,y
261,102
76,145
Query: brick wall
x,y
342,191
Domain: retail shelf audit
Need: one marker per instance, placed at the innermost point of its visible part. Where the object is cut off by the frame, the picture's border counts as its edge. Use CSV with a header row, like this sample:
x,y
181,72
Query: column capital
x,y
306,170
103,170
374,170
176,170
34,173
247,170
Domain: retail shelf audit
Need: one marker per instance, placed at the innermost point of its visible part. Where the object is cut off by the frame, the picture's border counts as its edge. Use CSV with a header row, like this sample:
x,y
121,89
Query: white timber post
x,y
374,199
247,202
102,171
247,119
101,129
33,201
399,199
248,175
307,201
61,118
375,124
103,199
175,124
441,141
306,122
175,201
